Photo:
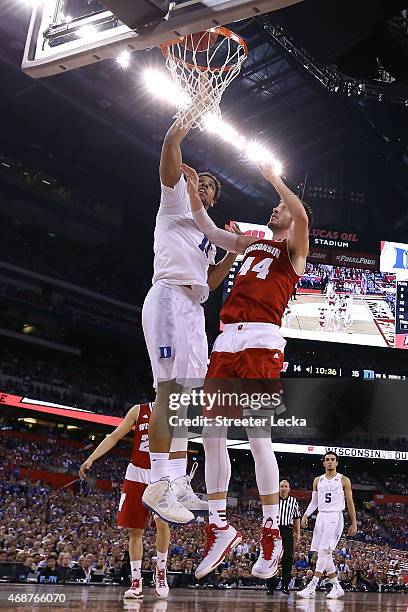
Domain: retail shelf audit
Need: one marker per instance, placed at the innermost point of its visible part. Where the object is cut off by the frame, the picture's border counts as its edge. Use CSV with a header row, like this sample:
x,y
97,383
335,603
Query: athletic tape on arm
x,y
219,237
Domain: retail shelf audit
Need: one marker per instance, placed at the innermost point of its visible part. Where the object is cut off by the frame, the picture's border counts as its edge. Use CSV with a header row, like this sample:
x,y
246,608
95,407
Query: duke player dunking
x,y
330,492
174,327
251,347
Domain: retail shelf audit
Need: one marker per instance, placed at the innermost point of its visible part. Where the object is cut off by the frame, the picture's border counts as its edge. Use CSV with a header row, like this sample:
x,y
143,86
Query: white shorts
x,y
237,337
174,329
327,532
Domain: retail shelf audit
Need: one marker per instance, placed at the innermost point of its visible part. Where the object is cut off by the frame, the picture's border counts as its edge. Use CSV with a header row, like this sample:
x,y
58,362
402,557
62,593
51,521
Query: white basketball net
x,y
201,72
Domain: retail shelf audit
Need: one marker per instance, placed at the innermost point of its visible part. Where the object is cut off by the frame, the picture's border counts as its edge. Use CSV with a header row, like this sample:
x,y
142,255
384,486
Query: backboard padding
x,y
43,57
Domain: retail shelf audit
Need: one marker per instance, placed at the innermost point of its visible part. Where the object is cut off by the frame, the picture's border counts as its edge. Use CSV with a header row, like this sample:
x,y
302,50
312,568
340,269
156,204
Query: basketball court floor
x,y
108,598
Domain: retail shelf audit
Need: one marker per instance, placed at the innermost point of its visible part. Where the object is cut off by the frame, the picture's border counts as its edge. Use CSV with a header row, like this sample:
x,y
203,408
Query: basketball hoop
x,y
202,66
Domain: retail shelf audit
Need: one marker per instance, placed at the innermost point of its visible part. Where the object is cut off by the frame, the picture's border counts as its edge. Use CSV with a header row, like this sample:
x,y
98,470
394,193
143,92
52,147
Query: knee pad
x,y
324,557
266,466
217,461
331,568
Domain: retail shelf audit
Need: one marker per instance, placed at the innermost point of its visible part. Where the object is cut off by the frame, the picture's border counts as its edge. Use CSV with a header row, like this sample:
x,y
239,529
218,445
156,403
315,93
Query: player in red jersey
x,y
251,347
132,513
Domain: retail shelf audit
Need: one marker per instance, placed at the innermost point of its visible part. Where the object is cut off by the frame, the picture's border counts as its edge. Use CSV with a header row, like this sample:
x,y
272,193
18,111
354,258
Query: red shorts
x,y
248,363
247,358
132,513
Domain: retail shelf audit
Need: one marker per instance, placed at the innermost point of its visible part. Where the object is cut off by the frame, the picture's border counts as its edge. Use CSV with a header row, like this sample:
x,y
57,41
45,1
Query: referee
x,y
289,517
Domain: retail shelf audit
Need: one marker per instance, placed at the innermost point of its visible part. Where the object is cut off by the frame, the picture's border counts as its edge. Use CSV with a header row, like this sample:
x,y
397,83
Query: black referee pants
x,y
286,561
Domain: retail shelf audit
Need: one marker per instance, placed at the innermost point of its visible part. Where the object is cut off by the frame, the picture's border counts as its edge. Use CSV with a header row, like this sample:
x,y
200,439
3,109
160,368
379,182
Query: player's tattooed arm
x,y
111,439
221,238
312,507
171,156
348,494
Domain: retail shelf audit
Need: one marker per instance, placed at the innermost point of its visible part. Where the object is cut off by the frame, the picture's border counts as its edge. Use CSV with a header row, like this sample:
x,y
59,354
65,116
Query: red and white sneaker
x,y
161,588
220,541
267,564
136,589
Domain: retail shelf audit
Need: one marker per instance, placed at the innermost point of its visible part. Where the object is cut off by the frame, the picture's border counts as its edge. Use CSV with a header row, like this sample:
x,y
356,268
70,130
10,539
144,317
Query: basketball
x,y
201,41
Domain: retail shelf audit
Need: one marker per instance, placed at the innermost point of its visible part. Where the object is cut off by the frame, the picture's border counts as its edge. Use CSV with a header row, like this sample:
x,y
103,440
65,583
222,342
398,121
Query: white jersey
x,y
182,254
330,494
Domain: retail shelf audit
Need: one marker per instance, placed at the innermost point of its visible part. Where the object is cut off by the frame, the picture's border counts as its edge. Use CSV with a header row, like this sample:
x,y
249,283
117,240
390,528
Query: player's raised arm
x,y
225,240
348,494
171,156
111,439
298,241
312,507
218,271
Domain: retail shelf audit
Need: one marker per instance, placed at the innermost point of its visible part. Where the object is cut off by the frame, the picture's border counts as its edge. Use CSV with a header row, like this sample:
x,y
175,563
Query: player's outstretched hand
x,y
303,522
352,530
269,170
234,229
192,179
84,468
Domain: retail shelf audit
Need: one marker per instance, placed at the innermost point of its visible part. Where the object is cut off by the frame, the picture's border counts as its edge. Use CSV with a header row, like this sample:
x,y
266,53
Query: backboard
x,y
67,34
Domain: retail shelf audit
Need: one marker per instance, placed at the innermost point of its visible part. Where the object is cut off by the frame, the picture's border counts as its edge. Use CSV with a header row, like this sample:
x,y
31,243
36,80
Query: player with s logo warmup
x,y
132,513
251,347
330,492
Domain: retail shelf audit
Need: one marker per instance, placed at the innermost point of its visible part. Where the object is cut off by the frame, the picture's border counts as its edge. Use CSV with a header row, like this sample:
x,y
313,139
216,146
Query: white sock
x,y
314,582
217,512
161,560
159,466
178,468
271,516
136,569
335,580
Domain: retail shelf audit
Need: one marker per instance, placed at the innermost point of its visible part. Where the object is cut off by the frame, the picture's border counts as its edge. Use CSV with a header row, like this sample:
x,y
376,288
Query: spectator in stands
x,y
49,573
342,566
28,568
85,568
64,567
302,562
178,548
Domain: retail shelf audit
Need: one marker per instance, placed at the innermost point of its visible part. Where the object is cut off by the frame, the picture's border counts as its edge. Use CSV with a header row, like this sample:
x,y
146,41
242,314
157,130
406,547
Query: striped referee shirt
x,y
288,511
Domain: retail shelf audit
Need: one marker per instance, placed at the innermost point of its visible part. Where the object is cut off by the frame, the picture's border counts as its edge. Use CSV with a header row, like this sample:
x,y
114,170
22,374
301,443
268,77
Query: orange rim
x,y
221,31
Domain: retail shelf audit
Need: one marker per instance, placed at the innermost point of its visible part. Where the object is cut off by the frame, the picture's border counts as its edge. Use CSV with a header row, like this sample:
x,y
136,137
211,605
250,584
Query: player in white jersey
x,y
330,288
330,317
174,326
348,320
330,492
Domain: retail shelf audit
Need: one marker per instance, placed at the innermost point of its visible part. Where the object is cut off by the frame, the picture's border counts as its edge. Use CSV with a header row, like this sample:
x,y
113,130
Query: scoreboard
x,y
401,315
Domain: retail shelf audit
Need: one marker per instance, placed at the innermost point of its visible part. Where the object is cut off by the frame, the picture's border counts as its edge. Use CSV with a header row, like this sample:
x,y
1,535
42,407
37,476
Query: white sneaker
x,y
183,491
161,588
136,589
307,593
267,564
160,499
220,541
336,592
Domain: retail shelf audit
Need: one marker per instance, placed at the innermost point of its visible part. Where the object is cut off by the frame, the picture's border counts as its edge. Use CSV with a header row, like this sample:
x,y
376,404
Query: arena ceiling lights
x,y
160,85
